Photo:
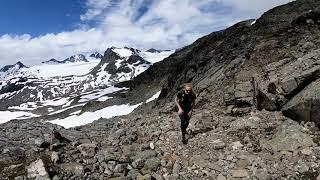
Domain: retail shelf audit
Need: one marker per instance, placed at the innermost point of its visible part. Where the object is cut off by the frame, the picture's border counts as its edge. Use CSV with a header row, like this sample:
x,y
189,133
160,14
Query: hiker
x,y
185,102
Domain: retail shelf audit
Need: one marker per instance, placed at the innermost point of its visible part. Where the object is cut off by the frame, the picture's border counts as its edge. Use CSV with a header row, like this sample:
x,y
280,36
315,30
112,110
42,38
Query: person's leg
x,y
187,120
184,124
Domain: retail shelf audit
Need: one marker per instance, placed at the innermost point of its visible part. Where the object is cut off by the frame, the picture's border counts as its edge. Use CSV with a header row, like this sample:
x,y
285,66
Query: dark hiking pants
x,y
184,123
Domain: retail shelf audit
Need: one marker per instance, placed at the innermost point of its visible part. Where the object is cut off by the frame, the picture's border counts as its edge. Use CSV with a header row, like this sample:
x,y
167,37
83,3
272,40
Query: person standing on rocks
x,y
185,101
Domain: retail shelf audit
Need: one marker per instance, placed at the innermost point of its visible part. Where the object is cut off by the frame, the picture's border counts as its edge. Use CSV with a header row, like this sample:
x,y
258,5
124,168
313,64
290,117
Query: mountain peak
x,y
13,67
20,64
96,55
153,50
51,61
76,58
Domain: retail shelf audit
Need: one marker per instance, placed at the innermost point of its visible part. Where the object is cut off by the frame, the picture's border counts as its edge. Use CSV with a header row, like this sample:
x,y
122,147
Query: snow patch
x,y
8,115
95,95
89,117
122,52
104,98
47,71
153,97
76,112
28,106
62,110
58,102
156,57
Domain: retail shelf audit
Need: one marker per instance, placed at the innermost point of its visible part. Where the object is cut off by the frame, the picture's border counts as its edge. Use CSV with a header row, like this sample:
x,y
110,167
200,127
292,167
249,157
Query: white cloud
x,y
164,24
59,46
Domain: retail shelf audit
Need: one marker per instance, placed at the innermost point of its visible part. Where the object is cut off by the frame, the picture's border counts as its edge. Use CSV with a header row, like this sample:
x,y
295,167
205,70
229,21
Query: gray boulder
x,y
151,165
72,168
290,137
305,106
37,170
88,149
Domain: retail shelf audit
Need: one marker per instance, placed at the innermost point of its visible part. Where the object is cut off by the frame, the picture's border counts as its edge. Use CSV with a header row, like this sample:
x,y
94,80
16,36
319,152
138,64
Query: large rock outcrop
x,y
261,65
305,106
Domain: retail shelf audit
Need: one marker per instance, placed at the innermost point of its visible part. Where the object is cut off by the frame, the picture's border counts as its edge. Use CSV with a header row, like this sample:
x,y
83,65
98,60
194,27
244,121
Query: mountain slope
x,y
270,64
73,79
238,66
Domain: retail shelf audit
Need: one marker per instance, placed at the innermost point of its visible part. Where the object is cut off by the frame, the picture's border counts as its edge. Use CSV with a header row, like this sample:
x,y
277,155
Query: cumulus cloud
x,y
164,24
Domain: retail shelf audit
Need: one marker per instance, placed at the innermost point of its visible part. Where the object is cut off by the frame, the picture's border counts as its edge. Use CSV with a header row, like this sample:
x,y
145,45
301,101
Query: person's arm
x,y
192,105
178,104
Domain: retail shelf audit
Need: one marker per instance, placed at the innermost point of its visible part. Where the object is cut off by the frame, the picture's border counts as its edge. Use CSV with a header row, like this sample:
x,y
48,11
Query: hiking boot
x,y
184,141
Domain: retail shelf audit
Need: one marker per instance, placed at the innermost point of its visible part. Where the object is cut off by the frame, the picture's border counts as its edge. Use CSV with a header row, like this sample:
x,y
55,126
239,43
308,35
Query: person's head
x,y
187,88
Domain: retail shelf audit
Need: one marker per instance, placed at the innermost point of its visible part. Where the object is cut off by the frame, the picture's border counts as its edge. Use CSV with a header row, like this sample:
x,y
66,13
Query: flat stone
x,y
37,170
218,144
236,145
306,151
151,165
290,137
88,149
107,171
133,173
54,157
138,163
144,155
241,173
244,86
176,168
221,177
73,168
120,168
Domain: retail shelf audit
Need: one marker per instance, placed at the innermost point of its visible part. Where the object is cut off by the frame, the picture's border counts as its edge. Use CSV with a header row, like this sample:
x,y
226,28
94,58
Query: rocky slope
x,y
250,80
263,64
261,145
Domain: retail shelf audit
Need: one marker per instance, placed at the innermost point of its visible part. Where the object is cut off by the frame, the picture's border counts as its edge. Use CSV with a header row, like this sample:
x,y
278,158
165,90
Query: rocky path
x,y
260,145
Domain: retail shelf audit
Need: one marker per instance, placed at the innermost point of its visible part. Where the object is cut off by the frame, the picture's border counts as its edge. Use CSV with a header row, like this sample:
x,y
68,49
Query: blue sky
x,y
39,17
36,30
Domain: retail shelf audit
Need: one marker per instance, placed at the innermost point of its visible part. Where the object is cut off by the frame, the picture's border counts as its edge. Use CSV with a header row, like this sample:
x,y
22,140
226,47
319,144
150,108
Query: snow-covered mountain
x,y
51,61
71,59
96,55
76,58
58,86
11,69
120,64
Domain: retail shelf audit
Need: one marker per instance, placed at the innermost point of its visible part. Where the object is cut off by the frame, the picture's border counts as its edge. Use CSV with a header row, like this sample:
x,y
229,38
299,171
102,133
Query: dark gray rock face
x,y
51,61
96,55
108,57
152,50
305,106
136,60
12,87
